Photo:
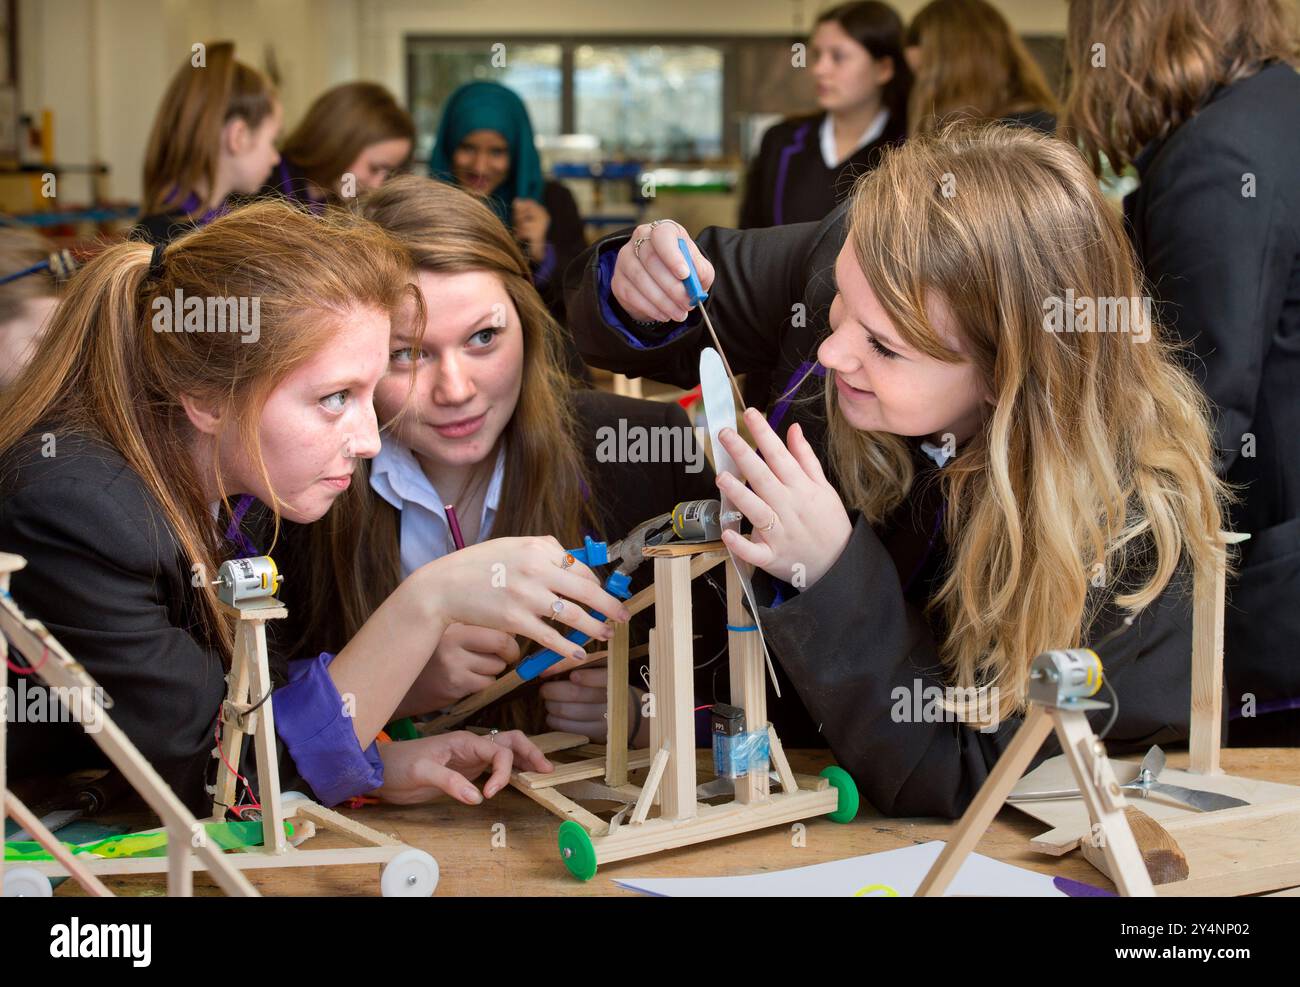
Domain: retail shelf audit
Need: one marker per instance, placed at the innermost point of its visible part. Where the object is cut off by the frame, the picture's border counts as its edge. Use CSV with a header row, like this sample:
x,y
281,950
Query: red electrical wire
x,y
45,653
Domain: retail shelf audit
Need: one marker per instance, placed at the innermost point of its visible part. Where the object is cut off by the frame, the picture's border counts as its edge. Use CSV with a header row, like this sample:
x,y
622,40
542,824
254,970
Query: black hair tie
x,y
156,260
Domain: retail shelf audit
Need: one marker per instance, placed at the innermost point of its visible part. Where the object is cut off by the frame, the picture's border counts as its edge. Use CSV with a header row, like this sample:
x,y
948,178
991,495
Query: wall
x,y
102,65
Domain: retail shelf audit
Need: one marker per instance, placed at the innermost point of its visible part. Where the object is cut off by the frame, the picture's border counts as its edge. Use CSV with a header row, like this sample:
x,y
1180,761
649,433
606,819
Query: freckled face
x,y
317,421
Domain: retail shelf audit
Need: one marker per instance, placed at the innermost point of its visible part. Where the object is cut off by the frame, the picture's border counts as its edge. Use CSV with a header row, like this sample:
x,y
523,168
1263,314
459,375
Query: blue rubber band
x,y
751,627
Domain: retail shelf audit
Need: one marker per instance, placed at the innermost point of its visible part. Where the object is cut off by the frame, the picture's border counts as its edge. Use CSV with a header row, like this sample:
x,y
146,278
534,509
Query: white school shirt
x,y
827,134
396,476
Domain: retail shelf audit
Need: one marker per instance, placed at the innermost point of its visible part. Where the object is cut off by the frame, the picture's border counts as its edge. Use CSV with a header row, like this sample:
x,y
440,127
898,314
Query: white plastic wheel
x,y
411,874
27,882
288,797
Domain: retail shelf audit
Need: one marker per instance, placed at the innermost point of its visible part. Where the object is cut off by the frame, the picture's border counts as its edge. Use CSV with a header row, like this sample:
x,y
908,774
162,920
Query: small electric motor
x,y
1066,678
243,580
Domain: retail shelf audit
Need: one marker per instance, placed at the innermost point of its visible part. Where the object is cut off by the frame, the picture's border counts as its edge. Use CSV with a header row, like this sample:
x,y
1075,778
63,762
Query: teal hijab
x,y
491,106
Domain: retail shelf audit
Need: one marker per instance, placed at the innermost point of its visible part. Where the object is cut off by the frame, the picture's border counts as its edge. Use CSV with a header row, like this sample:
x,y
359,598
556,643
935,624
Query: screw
x,y
568,852
411,880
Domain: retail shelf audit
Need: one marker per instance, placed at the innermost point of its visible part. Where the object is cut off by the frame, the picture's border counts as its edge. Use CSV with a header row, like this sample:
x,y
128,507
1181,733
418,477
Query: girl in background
x,y
1213,128
807,164
28,295
486,145
213,137
356,129
970,64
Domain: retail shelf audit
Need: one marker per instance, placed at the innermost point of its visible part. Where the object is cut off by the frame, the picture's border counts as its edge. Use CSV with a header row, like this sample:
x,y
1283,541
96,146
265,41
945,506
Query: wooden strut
x,y
57,668
249,672
1095,777
671,756
1208,594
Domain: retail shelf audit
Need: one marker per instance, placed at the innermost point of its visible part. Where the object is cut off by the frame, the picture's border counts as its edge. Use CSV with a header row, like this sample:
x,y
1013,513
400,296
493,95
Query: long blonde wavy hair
x,y
1098,449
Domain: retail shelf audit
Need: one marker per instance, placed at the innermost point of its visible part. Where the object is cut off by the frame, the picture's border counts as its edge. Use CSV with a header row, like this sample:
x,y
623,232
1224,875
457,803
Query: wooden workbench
x,y
461,838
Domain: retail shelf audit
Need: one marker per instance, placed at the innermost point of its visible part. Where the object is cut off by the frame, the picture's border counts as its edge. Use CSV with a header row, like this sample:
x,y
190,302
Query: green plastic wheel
x,y
577,852
841,782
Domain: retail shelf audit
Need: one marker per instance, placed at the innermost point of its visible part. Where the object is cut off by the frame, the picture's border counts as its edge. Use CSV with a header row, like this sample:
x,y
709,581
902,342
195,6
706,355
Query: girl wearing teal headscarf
x,y
485,144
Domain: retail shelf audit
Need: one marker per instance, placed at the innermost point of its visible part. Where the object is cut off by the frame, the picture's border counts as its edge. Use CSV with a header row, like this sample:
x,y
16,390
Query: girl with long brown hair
x,y
352,138
213,136
121,444
1202,97
479,416
969,64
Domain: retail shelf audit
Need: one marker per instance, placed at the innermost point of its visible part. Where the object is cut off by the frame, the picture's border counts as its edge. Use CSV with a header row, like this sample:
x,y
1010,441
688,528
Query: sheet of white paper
x,y
873,875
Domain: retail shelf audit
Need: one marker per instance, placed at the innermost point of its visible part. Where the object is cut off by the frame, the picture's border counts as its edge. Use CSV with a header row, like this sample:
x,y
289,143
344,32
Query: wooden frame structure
x,y
683,817
406,871
1233,845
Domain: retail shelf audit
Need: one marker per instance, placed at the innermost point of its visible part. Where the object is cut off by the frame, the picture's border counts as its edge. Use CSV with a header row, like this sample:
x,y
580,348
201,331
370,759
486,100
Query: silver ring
x,y
493,732
656,222
557,607
770,524
636,246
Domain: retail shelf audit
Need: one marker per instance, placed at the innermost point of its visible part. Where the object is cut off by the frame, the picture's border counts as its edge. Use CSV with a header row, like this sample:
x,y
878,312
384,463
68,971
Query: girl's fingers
x,y
635,302
664,274
452,782
775,454
754,469
472,684
745,500
484,665
592,729
592,678
579,620
748,551
527,754
804,454
577,711
567,692
590,594
488,641
535,629
659,294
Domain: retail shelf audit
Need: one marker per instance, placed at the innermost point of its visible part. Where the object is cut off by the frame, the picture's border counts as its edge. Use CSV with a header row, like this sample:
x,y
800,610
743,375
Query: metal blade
x,y
1151,766
1197,799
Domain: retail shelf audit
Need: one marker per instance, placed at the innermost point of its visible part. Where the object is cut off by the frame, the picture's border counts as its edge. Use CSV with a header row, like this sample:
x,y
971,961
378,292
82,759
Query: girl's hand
x,y
517,585
467,660
425,769
798,518
577,704
649,286
531,222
